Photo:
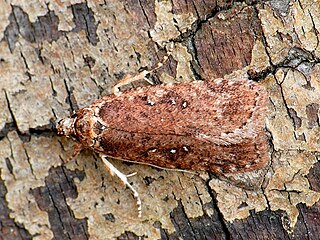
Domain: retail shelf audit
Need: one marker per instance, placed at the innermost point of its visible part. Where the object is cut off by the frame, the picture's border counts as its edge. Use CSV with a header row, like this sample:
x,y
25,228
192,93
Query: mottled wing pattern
x,y
215,125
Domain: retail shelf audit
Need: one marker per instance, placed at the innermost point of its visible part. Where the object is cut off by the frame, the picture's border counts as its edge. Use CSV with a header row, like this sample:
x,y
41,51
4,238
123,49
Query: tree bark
x,y
57,57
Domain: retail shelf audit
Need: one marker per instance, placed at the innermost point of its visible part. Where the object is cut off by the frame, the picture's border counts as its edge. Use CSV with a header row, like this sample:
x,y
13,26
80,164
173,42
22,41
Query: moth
x,y
214,125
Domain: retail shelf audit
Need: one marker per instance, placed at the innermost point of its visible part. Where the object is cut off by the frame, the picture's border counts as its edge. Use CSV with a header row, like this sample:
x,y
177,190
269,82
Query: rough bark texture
x,y
56,57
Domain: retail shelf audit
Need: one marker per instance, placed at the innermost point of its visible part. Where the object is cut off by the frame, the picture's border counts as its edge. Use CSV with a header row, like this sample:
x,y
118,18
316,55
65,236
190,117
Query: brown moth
x,y
214,125
217,126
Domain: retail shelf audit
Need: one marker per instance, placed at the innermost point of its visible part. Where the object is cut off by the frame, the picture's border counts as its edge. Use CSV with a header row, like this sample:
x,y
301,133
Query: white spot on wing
x,y
184,104
185,148
173,151
149,102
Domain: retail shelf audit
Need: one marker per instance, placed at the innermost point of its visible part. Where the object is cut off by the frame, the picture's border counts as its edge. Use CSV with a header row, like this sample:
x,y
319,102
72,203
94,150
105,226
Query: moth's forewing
x,y
215,125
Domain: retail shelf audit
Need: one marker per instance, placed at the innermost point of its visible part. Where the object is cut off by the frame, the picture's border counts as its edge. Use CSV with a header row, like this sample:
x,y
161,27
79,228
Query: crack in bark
x,y
224,226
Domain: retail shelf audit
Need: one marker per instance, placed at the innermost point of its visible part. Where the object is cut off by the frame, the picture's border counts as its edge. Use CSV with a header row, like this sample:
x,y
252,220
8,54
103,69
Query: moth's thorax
x,y
84,127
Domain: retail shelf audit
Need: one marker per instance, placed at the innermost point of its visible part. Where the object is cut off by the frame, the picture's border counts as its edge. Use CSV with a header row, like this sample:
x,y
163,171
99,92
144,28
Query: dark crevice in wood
x,y
84,20
70,99
45,28
308,226
297,121
52,198
312,114
163,232
182,223
142,13
130,236
204,227
314,177
8,127
194,64
268,223
219,215
227,45
45,130
14,124
297,58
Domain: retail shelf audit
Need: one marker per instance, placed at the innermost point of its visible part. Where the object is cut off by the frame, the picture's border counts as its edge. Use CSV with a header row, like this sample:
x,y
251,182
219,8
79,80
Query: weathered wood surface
x,y
56,57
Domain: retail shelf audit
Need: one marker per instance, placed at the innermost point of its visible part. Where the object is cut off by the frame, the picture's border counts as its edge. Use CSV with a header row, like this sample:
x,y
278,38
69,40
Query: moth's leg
x,y
124,178
77,149
130,79
142,75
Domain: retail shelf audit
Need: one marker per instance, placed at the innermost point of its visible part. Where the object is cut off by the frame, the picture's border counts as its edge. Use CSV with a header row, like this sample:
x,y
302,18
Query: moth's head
x,y
65,127
80,127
